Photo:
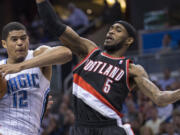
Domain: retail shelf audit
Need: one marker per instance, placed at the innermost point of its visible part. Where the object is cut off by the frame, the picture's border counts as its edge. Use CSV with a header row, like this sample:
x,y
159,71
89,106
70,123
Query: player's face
x,y
17,44
116,35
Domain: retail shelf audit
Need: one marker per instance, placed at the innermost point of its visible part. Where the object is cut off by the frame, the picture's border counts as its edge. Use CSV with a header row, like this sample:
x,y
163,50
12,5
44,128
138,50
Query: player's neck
x,y
11,61
118,53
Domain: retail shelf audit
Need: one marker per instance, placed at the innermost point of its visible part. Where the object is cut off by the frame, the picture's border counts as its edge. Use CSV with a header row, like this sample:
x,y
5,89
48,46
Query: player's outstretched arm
x,y
78,45
43,56
161,98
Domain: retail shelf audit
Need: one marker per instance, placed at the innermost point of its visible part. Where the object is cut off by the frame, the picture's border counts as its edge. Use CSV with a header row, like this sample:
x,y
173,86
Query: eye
x,y
23,38
118,30
14,39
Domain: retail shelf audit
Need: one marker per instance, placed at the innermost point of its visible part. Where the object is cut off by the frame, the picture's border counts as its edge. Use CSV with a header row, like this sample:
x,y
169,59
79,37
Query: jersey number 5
x,y
107,85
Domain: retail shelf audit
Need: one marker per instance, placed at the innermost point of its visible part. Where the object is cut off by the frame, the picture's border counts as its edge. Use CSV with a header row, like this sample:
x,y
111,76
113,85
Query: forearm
x,y
169,97
52,56
50,18
160,98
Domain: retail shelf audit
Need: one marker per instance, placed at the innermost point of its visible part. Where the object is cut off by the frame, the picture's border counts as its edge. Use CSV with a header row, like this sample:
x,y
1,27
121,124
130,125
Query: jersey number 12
x,y
20,99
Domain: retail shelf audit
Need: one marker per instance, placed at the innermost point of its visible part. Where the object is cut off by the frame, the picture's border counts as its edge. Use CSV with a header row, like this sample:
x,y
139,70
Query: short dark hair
x,y
10,27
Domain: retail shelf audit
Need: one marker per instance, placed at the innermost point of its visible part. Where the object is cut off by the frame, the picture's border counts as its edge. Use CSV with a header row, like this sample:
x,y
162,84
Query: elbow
x,y
159,103
159,100
62,55
67,55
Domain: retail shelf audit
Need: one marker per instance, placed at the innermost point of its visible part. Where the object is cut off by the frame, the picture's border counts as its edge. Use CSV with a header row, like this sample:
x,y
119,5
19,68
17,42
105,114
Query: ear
x,y
129,41
4,43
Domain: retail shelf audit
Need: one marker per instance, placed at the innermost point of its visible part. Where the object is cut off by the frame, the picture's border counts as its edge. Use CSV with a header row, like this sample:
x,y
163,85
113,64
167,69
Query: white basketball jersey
x,y
22,108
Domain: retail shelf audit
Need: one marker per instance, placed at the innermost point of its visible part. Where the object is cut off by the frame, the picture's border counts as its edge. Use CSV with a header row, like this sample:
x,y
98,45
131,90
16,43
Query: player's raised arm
x,y
77,44
43,56
148,88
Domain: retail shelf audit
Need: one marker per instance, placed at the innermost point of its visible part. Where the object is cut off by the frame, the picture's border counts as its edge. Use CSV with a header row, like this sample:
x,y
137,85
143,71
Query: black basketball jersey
x,y
100,86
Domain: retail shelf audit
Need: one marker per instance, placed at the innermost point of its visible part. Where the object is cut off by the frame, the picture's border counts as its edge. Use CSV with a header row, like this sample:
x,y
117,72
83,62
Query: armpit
x,y
137,70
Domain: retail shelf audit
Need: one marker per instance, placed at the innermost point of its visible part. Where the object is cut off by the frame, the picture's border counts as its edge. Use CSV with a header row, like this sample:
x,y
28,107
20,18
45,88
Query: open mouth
x,y
20,51
109,38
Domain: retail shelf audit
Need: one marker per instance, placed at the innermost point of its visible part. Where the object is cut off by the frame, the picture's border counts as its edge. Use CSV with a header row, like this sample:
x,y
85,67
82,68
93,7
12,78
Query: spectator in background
x,y
155,121
41,36
106,13
176,84
146,131
116,11
167,79
136,124
162,128
168,44
52,128
170,129
24,21
131,110
111,14
69,119
176,120
165,112
164,84
77,18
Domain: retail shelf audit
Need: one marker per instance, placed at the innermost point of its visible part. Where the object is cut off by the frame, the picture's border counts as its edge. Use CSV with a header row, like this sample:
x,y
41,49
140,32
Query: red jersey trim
x,y
111,57
82,83
127,74
81,62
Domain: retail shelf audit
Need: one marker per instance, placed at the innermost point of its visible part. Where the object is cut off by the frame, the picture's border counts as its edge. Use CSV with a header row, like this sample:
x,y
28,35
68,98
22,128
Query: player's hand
x,y
9,69
137,70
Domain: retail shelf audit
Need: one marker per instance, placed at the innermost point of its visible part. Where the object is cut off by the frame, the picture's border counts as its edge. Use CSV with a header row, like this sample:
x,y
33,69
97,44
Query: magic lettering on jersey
x,y
105,69
23,81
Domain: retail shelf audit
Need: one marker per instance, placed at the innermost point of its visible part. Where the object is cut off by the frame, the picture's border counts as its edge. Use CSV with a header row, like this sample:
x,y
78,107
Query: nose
x,y
19,42
111,31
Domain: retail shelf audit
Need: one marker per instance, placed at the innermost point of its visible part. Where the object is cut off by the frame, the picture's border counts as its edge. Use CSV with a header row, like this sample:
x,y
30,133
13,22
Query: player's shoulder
x,y
95,49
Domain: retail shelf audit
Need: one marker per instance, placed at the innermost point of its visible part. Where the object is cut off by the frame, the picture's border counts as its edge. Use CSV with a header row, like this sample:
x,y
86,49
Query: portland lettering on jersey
x,y
105,69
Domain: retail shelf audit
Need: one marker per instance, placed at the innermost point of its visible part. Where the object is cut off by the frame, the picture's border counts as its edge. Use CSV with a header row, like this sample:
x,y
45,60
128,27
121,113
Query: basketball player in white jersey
x,y
23,106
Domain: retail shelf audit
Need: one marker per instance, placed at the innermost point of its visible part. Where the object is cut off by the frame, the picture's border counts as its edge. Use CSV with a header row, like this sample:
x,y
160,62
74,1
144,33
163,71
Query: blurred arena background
x,y
158,50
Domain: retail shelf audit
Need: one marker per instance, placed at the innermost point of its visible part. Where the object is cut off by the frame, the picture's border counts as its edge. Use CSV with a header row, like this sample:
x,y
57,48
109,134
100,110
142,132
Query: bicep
x,y
147,87
137,70
78,45
142,82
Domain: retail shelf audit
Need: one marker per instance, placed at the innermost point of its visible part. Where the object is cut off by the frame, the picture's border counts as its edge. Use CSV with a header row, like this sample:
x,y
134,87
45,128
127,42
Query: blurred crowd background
x,y
158,50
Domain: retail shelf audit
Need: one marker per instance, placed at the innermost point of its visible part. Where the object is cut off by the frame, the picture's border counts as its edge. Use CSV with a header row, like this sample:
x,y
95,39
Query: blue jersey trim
x,y
44,104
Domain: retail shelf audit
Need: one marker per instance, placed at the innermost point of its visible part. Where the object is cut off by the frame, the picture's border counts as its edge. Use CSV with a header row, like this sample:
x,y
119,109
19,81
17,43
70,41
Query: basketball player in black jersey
x,y
102,79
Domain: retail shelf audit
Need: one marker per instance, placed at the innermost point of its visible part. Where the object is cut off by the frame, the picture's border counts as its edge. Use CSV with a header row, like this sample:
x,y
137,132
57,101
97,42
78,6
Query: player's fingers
x,y
2,70
51,102
50,97
4,74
